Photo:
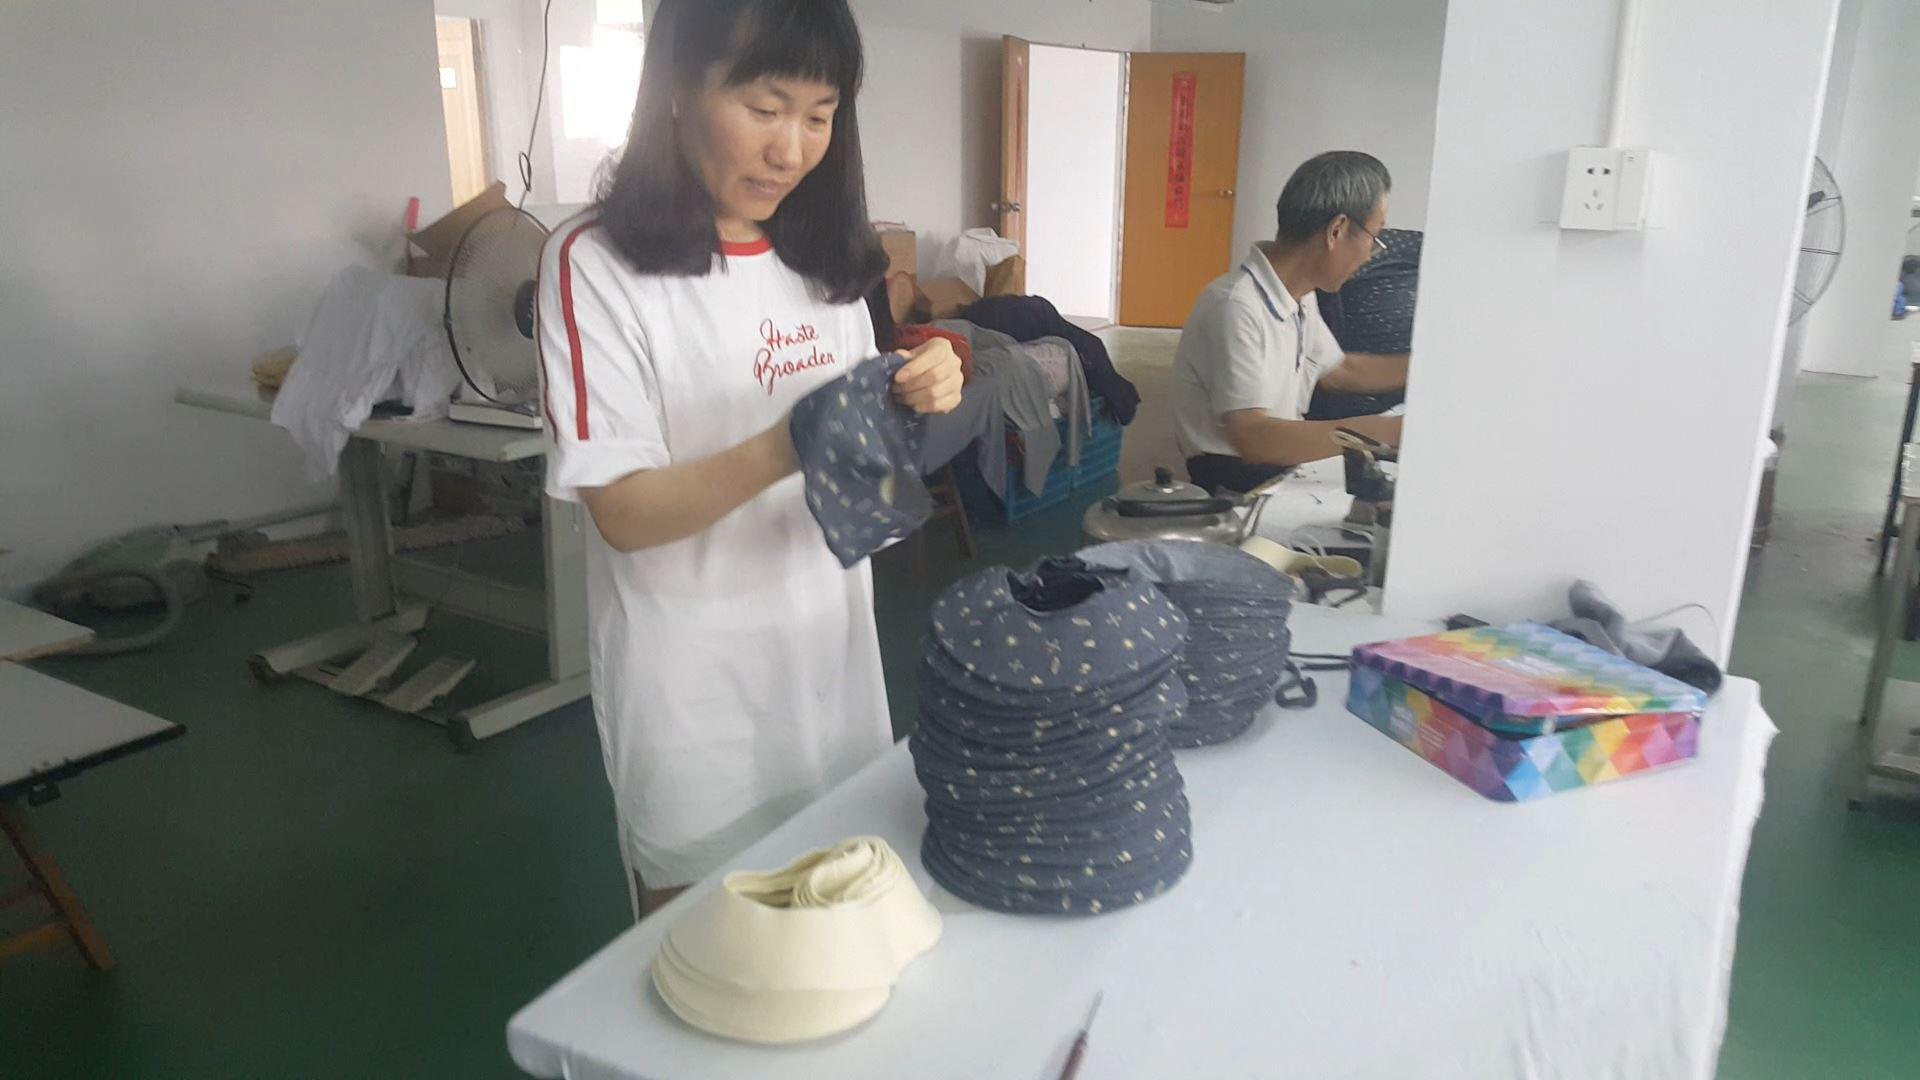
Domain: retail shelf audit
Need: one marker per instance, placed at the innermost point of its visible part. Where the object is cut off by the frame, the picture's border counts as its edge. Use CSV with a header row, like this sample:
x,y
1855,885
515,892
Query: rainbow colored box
x,y
1517,712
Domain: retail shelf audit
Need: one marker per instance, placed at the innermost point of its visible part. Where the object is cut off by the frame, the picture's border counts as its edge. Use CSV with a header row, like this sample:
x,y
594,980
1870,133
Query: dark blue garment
x,y
859,450
1373,313
1045,701
1030,318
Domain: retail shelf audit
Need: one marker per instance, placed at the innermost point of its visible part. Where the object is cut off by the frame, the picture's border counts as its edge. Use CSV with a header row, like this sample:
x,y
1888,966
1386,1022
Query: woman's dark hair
x,y
886,332
655,207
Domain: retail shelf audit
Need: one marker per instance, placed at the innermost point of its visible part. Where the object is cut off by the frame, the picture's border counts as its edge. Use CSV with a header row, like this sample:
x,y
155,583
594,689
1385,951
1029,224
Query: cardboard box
x,y
903,250
430,250
947,297
1008,277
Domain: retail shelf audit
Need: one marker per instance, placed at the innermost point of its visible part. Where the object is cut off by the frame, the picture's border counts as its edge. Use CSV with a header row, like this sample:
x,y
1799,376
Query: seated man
x,y
1255,346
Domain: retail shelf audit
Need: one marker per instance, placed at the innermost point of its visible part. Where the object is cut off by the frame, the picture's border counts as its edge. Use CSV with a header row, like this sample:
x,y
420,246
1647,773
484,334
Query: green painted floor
x,y
306,887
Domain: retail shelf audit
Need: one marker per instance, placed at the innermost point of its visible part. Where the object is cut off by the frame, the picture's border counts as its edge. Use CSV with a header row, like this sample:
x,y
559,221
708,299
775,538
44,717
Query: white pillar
x,y
1593,404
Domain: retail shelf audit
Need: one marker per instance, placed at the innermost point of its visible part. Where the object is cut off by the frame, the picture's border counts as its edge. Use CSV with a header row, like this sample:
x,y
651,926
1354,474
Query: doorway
x,y
1117,176
463,104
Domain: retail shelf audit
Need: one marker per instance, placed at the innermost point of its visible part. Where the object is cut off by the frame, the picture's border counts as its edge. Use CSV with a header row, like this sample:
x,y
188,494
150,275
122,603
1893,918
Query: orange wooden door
x,y
1182,162
1015,56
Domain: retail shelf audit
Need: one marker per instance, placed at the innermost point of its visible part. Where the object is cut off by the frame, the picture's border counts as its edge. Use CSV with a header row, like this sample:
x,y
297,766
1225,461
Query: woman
x,y
719,279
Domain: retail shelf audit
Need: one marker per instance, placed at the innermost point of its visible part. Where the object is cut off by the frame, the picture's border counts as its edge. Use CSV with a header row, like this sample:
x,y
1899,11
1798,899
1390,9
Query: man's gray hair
x,y
1324,187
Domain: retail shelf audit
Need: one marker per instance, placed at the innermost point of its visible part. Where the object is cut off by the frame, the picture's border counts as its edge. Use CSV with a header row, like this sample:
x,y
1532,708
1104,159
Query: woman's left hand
x,y
930,381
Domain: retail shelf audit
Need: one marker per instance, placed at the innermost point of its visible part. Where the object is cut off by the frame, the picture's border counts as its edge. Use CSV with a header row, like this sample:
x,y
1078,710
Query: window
x,y
598,83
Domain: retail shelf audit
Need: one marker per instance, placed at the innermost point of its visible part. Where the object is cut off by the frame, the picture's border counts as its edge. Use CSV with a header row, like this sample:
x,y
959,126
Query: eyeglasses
x,y
1379,245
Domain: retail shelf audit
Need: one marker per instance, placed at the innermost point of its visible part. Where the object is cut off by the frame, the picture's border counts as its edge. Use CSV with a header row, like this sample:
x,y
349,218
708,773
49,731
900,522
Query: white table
x,y
29,633
51,731
383,584
1351,912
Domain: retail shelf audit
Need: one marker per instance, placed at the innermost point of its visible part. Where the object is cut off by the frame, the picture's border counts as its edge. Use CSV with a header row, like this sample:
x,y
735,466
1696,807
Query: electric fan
x,y
489,319
1821,240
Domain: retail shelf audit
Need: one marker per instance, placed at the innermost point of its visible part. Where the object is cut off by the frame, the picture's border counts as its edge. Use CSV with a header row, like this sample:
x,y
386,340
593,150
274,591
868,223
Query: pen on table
x,y
1079,1052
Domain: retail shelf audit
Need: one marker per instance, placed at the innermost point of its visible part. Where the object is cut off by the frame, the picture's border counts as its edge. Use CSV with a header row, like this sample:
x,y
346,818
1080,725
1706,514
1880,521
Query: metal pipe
x,y
1623,72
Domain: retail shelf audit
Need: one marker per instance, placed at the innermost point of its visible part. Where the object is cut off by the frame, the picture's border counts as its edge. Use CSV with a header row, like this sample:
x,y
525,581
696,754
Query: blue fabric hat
x,y
857,448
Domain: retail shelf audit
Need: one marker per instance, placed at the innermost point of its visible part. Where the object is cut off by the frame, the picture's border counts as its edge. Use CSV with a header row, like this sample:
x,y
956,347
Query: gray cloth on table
x,y
1665,649
1010,386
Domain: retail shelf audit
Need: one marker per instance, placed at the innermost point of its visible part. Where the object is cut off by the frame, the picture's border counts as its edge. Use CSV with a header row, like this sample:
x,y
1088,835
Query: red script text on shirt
x,y
769,367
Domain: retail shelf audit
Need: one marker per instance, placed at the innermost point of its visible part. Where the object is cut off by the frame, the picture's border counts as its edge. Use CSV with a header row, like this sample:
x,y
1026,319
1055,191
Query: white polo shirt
x,y
1248,345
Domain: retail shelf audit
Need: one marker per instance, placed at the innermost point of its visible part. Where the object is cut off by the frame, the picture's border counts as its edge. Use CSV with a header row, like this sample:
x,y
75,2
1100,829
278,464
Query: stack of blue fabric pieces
x,y
1045,701
1237,637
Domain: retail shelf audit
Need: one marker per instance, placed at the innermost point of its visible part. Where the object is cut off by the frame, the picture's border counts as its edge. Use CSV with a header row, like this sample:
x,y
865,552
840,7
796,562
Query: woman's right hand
x,y
930,382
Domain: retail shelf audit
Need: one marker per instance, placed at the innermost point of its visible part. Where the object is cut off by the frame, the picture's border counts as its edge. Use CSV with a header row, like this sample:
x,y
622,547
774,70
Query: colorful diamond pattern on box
x,y
1512,769
1526,678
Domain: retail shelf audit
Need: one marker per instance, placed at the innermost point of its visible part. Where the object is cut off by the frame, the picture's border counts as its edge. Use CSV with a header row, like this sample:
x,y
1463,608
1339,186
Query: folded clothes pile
x,y
1045,701
799,953
1237,638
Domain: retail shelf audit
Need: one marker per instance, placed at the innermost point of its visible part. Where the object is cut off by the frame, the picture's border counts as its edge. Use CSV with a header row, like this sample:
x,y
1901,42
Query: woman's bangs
x,y
788,40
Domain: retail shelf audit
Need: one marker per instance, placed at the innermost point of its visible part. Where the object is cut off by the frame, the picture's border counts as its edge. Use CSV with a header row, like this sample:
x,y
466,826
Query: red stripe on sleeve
x,y
540,350
573,332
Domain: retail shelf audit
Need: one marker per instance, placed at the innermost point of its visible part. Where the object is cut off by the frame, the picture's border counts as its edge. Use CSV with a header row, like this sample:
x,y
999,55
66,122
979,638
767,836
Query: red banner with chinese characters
x,y
1186,90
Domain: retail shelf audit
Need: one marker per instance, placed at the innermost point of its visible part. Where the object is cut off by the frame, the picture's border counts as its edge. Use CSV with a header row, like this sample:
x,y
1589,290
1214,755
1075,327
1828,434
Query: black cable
x,y
539,102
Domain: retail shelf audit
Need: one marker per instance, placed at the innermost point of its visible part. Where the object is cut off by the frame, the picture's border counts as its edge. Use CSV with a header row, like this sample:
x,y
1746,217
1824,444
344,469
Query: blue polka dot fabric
x,y
857,447
1237,639
1045,701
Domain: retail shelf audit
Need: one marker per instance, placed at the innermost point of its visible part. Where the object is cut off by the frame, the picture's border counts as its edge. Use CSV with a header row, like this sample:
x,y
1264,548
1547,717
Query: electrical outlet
x,y
1592,194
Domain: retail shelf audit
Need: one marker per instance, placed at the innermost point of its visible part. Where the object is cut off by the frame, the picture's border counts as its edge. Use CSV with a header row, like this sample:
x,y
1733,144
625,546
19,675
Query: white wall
x,y
1591,404
930,111
181,178
1833,112
1322,75
1074,135
1874,157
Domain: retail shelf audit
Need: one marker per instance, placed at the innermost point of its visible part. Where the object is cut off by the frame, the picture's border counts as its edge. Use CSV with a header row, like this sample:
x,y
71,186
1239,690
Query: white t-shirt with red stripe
x,y
736,674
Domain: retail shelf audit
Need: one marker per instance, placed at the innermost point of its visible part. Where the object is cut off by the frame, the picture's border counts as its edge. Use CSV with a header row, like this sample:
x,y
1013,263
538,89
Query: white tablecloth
x,y
1351,912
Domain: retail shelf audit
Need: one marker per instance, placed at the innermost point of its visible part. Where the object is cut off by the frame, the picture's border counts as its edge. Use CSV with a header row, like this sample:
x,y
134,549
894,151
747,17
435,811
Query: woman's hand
x,y
930,382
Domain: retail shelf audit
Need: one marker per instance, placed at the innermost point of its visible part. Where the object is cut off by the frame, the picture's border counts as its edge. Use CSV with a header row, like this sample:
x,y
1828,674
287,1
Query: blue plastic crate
x,y
1099,461
1100,453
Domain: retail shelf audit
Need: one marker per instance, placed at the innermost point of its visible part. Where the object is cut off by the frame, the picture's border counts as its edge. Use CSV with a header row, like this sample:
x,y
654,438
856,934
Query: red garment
x,y
912,337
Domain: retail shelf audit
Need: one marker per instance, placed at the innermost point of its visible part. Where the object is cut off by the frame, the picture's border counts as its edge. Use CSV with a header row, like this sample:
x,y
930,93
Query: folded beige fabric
x,y
798,953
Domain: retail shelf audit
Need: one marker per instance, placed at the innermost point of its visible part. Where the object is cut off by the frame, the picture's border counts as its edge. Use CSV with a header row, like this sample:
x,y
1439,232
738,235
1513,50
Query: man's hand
x,y
1264,440
930,381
